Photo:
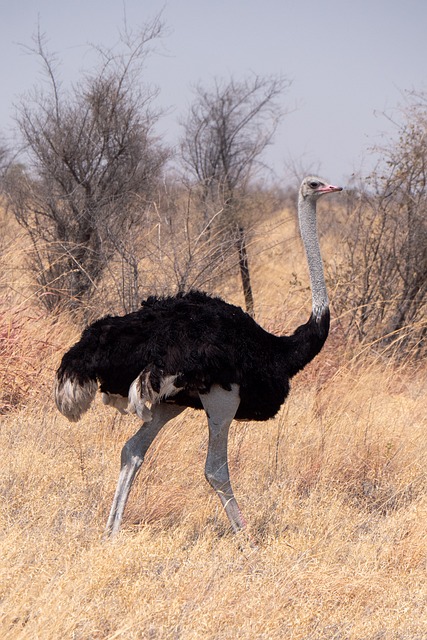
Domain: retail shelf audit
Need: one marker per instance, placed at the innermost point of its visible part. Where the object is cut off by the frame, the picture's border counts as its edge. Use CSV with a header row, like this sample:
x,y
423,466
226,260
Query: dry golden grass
x,y
334,490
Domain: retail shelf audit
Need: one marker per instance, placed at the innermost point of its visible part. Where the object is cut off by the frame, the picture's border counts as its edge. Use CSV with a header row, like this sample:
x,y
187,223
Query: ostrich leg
x,y
132,458
221,406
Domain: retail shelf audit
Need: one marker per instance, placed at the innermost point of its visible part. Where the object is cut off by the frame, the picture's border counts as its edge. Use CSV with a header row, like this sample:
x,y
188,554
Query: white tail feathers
x,y
141,392
74,399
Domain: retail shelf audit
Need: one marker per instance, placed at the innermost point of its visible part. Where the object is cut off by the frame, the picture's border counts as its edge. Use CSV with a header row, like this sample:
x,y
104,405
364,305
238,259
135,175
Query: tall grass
x,y
334,490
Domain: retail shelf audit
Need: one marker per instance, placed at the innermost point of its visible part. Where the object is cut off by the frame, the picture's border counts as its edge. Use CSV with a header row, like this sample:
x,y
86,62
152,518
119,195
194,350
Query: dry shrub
x,y
27,342
381,278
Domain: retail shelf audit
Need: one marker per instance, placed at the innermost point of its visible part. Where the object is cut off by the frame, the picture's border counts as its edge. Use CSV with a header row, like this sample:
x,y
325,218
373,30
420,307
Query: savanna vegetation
x,y
94,216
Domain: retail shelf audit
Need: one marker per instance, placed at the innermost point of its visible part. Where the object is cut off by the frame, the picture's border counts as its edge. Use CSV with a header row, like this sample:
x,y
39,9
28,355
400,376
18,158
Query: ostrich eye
x,y
314,184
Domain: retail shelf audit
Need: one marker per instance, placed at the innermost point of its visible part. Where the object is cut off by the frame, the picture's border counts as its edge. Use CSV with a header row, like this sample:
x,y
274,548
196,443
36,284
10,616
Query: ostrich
x,y
194,350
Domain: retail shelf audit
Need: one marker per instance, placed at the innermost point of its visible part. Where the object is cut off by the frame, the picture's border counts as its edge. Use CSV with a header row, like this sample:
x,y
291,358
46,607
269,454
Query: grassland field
x,y
333,489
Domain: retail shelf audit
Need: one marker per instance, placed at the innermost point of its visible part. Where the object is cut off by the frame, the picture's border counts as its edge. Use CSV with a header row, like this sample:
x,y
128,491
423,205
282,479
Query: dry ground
x,y
334,490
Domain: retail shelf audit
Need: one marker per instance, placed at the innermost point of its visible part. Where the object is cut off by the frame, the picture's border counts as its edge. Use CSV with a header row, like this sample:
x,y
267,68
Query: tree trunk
x,y
244,272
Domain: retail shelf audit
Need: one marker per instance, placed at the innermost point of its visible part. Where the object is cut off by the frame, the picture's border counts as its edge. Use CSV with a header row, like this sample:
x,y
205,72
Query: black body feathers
x,y
203,341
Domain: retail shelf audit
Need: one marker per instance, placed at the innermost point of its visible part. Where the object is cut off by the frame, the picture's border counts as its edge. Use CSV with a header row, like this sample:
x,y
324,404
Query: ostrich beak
x,y
329,188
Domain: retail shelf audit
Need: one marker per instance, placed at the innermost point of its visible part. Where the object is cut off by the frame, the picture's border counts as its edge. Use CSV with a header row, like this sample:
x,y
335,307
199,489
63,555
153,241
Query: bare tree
x,y
92,164
386,247
225,134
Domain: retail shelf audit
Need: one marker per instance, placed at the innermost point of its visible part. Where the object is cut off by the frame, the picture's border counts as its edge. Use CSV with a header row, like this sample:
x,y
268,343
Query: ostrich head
x,y
313,187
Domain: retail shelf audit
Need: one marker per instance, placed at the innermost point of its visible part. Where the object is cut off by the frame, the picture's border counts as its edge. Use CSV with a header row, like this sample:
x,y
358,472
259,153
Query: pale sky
x,y
349,62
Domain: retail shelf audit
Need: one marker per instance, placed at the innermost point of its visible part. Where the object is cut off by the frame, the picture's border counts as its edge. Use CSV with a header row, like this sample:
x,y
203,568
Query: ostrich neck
x,y
309,235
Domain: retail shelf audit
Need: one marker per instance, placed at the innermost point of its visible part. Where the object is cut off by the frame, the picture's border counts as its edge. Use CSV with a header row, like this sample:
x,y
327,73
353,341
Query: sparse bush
x,y
383,289
92,166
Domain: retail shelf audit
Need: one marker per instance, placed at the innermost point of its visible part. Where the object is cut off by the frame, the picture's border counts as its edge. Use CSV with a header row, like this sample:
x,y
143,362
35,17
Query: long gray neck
x,y
309,235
